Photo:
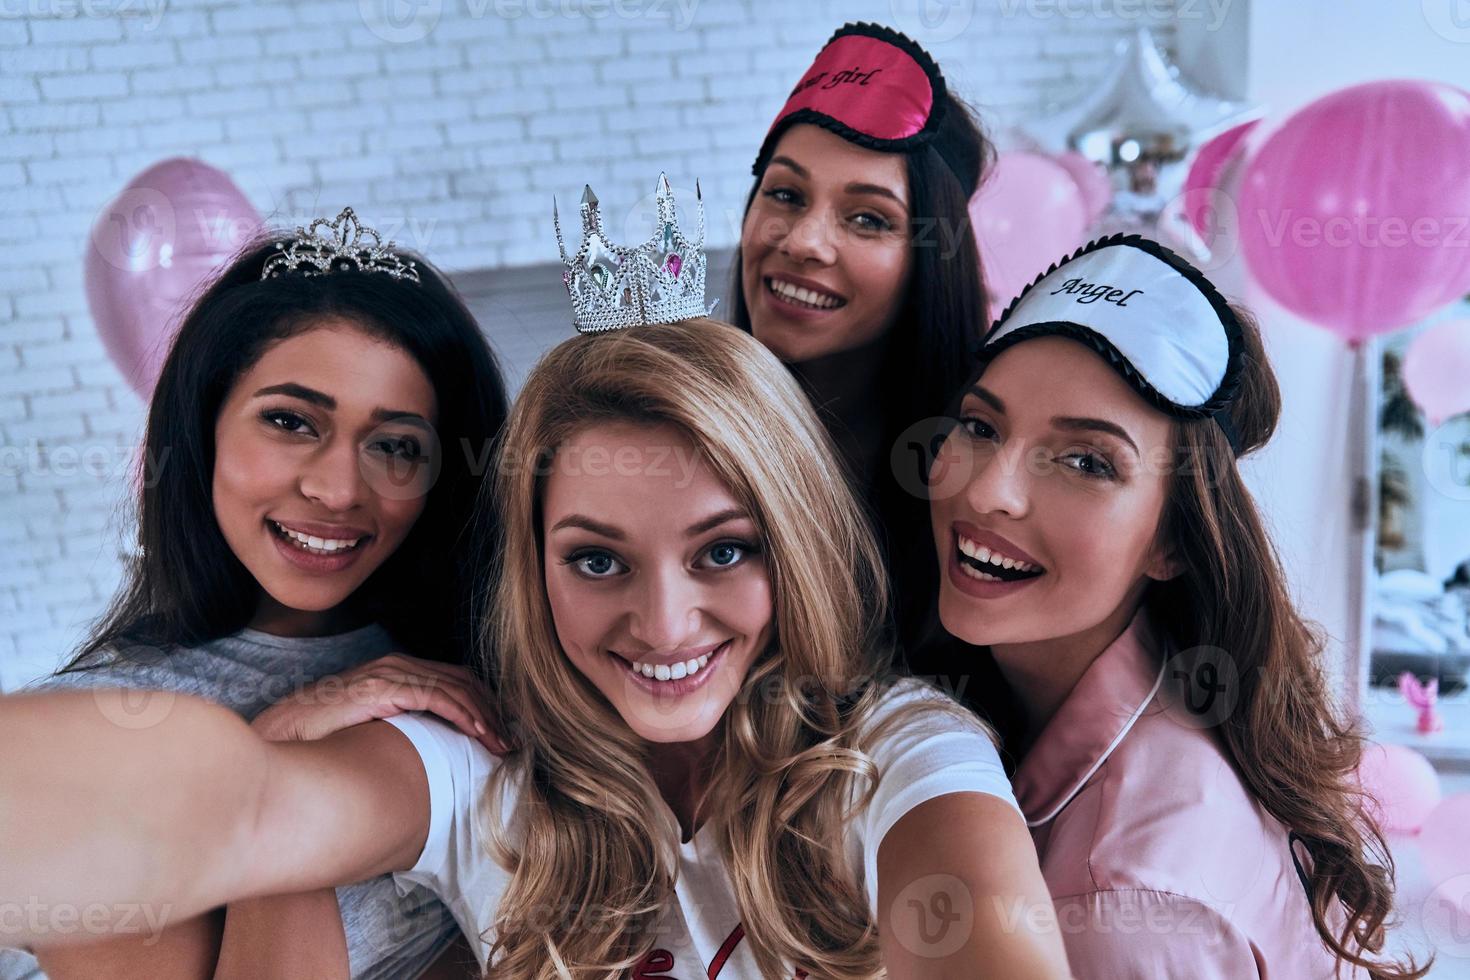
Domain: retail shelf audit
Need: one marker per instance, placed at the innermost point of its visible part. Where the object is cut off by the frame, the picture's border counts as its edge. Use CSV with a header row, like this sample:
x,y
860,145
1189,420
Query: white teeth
x,y
674,672
976,573
308,542
981,553
806,297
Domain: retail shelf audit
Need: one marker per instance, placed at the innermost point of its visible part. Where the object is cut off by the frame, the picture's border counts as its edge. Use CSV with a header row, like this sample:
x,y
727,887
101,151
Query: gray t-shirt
x,y
388,937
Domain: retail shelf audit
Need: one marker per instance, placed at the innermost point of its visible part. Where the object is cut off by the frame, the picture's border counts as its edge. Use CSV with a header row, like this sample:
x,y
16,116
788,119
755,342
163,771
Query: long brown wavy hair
x,y
1294,750
591,849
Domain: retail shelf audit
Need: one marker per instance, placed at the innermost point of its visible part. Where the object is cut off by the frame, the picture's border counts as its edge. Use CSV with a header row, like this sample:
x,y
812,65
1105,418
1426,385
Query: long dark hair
x,y
929,353
186,587
1295,752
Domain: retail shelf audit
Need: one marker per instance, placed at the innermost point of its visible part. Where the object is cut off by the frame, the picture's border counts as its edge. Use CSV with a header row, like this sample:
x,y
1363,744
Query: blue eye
x,y
594,564
728,554
868,221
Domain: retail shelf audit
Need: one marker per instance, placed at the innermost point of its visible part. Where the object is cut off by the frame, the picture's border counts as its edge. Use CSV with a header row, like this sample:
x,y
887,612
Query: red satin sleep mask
x,y
877,88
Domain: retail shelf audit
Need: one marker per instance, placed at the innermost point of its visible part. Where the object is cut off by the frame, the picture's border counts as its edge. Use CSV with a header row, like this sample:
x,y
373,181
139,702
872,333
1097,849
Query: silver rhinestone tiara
x,y
612,287
340,245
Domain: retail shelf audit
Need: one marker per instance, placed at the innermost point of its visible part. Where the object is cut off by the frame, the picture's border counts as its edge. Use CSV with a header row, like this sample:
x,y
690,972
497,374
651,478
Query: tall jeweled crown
x,y
347,246
612,287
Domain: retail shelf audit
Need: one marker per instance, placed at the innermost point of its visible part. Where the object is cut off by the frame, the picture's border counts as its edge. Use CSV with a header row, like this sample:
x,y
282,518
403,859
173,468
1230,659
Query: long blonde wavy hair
x,y
591,851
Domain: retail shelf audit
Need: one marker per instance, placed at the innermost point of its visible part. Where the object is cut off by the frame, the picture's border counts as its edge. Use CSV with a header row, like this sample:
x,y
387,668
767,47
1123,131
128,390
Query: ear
x,y
1163,564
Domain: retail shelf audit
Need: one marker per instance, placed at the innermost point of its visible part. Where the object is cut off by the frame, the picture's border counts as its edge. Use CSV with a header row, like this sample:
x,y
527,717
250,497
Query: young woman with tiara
x,y
713,775
1187,780
314,448
858,267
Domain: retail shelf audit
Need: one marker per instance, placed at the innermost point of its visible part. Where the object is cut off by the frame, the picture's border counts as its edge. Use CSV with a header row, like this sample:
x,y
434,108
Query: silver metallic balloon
x,y
1142,122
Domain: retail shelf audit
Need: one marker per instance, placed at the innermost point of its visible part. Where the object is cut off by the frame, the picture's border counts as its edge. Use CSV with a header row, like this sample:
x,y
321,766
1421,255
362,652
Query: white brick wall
x,y
453,132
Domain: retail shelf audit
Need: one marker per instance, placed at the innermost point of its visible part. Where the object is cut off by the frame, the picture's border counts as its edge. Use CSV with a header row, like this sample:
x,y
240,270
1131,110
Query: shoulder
x,y
923,745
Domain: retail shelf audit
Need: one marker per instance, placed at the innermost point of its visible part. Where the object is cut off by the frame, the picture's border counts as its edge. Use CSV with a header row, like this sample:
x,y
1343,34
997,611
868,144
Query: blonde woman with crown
x,y
715,775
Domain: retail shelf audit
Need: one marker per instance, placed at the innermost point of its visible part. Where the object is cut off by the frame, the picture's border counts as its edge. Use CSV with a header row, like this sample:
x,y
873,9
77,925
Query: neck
x,y
681,771
1042,673
281,620
847,385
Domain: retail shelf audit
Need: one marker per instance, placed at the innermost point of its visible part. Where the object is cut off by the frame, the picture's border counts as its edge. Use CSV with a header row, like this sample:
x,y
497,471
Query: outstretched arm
x,y
960,895
110,814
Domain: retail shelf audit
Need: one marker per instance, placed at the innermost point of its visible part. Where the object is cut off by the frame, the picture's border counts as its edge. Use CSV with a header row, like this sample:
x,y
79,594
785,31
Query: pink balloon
x,y
1206,170
1092,180
1444,838
1401,785
1028,214
1437,370
152,247
1354,213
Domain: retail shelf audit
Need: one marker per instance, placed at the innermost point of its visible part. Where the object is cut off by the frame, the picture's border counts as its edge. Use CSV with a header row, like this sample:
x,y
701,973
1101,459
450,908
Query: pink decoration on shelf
x,y
1401,785
1028,214
152,247
1422,697
1352,214
1437,370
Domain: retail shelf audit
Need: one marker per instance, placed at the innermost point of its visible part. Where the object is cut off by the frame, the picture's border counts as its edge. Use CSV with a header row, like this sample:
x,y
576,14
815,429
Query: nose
x,y
1000,483
333,477
810,239
666,610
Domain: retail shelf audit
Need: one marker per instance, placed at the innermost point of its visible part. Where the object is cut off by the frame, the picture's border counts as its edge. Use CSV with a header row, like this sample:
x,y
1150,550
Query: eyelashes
x,y
1087,463
582,559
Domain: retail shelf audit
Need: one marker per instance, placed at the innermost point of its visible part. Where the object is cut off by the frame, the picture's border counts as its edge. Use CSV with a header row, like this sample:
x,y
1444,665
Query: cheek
x,y
579,615
248,476
745,605
881,267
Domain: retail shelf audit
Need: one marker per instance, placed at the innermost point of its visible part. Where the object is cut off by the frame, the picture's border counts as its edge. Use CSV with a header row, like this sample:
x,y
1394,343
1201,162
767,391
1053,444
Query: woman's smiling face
x,y
825,245
1048,497
324,457
655,576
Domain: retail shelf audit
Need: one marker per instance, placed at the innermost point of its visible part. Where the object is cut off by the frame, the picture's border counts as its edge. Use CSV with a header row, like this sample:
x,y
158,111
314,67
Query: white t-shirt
x,y
929,754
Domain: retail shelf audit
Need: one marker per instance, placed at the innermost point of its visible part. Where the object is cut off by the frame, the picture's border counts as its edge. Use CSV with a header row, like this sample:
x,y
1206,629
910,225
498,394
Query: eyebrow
x,y
853,188
324,400
1068,423
608,531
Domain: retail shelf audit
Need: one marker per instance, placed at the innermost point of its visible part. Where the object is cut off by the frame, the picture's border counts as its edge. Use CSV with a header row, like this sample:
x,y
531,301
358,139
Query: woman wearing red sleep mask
x,y
858,267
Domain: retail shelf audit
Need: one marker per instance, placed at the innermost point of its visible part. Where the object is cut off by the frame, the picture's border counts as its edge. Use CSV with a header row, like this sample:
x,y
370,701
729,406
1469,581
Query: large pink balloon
x,y
1028,214
1092,181
1401,785
1355,214
1437,370
1444,838
1205,171
151,249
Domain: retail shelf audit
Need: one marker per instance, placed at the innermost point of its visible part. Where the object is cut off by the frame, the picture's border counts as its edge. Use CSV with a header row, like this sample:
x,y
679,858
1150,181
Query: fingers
x,y
412,689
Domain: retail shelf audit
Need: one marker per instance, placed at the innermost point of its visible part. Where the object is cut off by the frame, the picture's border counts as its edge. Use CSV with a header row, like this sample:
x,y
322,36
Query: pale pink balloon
x,y
1444,838
1401,785
1092,180
1355,214
1206,169
1437,370
1027,215
151,249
